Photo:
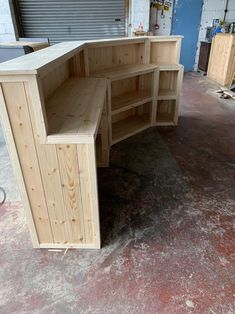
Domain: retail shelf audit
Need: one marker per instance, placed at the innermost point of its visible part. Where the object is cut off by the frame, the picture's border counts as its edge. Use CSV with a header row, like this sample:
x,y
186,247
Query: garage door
x,y
62,20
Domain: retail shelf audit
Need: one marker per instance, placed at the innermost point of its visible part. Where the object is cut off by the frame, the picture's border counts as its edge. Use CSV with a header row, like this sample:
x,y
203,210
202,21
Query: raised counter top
x,y
37,62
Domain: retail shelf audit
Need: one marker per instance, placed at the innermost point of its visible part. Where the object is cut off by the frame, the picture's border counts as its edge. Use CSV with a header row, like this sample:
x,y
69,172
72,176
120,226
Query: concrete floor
x,y
167,217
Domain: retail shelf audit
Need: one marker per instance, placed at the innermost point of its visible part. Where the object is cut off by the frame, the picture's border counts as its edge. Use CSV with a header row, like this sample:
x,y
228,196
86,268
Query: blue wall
x,y
186,21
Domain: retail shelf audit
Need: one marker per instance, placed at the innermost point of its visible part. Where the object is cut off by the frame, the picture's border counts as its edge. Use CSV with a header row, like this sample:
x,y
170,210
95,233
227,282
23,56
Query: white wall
x,y
140,14
213,9
164,23
7,32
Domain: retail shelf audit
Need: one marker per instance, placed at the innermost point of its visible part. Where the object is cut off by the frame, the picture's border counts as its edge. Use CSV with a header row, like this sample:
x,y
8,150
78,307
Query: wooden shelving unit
x,y
79,119
169,87
131,92
63,107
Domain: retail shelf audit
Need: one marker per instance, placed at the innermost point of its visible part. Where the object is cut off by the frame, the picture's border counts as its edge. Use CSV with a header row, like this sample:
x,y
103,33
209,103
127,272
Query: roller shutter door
x,y
62,20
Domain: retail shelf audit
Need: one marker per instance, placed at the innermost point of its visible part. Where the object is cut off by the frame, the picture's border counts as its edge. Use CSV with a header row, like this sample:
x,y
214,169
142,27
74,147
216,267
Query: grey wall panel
x,y
62,20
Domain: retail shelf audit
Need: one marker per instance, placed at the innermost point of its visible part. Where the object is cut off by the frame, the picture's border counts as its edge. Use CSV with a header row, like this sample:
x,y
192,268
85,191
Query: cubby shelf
x,y
129,126
166,112
130,100
166,94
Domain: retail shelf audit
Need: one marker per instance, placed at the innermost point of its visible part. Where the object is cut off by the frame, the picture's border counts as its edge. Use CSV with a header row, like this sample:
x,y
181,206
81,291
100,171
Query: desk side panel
x,y
19,118
64,172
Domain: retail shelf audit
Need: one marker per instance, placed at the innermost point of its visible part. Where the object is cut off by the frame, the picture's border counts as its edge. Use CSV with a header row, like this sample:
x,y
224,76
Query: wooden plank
x,y
168,84
178,88
49,168
14,94
69,169
87,174
38,107
54,79
9,138
155,85
166,112
147,46
164,52
87,246
126,71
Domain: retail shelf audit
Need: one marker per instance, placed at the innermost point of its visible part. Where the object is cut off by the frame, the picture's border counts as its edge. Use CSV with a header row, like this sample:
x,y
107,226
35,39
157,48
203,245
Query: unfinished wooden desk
x,y
61,110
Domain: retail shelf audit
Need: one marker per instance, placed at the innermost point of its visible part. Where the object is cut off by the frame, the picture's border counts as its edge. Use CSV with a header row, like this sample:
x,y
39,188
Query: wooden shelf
x,y
125,71
165,118
168,66
129,126
75,109
165,94
166,112
130,100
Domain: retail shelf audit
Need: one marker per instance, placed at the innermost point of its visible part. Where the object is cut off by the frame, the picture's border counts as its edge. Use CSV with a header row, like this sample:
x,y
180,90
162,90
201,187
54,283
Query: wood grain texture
x,y
88,180
17,107
61,124
18,172
221,66
70,182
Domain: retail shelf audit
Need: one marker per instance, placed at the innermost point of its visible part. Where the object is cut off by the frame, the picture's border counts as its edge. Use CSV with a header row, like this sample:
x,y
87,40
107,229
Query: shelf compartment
x,y
166,112
129,100
131,92
167,85
125,71
130,122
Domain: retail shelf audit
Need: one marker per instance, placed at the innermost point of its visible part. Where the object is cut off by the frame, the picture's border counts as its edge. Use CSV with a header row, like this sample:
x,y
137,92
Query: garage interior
x,y
167,197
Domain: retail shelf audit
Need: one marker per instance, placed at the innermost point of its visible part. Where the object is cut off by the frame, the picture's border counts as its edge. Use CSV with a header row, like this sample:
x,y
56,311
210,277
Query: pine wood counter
x,y
62,108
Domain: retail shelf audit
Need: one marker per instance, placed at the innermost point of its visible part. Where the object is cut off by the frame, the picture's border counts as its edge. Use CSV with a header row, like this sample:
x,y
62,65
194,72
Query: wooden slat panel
x,y
9,138
15,98
69,172
51,179
49,167
164,52
54,79
87,173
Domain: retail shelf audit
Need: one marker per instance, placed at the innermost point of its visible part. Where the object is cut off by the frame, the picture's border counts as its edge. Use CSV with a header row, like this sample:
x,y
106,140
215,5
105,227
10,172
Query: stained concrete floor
x,y
167,217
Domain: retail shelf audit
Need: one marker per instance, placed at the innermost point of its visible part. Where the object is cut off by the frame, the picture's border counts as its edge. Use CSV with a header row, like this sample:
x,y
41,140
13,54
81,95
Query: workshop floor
x,y
167,217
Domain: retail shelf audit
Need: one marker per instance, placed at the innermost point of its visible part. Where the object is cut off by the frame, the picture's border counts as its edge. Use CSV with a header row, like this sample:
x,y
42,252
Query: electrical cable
x,y
226,10
4,196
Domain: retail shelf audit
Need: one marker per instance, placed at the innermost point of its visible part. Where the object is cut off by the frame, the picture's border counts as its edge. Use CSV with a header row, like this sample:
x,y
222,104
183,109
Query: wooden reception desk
x,y
63,107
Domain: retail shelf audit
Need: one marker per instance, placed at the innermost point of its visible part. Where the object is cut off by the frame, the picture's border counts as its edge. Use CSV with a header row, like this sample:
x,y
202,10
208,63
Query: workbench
x,y
61,110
